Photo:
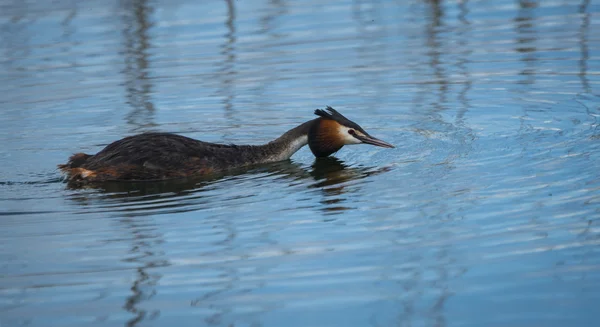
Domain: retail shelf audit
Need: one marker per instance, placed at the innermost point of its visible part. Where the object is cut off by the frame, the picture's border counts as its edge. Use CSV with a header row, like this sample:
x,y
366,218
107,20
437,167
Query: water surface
x,y
486,213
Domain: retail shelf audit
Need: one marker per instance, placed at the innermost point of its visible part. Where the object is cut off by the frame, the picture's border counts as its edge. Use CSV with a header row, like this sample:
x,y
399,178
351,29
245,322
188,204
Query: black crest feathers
x,y
330,113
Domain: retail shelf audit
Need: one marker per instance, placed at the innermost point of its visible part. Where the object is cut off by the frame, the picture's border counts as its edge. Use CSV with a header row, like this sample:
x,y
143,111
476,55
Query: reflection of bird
x,y
160,156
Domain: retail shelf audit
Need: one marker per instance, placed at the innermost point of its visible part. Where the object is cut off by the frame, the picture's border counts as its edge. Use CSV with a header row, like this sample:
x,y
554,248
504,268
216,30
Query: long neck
x,y
281,148
289,143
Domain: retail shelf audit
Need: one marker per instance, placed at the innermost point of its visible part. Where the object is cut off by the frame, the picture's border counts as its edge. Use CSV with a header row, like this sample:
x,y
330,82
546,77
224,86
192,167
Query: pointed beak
x,y
368,139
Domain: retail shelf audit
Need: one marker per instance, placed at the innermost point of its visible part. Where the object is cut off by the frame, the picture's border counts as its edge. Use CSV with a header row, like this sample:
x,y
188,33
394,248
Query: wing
x,y
160,155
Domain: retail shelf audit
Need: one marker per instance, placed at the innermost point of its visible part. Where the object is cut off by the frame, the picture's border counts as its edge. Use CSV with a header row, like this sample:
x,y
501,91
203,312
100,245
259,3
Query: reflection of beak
x,y
368,139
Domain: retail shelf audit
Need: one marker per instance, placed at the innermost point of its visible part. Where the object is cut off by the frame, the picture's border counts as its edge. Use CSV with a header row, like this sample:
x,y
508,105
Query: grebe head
x,y
332,131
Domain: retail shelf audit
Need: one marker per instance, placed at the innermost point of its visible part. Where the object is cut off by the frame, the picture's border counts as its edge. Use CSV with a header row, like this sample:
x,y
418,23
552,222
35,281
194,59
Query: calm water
x,y
486,214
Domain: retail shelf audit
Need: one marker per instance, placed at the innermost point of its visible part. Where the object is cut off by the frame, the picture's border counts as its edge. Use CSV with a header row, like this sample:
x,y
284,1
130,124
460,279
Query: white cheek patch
x,y
348,139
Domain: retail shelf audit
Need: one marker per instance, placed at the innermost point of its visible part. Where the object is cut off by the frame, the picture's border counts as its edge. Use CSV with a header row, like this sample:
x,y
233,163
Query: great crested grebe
x,y
161,156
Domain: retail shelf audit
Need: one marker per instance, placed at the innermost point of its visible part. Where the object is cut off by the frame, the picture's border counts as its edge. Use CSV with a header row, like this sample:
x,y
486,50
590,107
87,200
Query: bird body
x,y
161,156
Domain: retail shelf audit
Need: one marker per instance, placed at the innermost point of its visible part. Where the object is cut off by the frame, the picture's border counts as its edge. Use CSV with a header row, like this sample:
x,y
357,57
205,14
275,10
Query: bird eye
x,y
351,132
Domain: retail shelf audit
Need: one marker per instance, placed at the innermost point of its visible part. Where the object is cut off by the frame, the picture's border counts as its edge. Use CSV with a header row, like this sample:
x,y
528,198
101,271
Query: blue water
x,y
485,214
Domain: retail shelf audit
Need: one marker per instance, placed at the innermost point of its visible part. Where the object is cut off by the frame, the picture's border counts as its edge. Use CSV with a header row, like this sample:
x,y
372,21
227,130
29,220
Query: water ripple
x,y
487,205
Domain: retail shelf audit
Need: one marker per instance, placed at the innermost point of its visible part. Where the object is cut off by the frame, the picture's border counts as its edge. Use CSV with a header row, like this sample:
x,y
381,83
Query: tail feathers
x,y
73,168
77,173
75,161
